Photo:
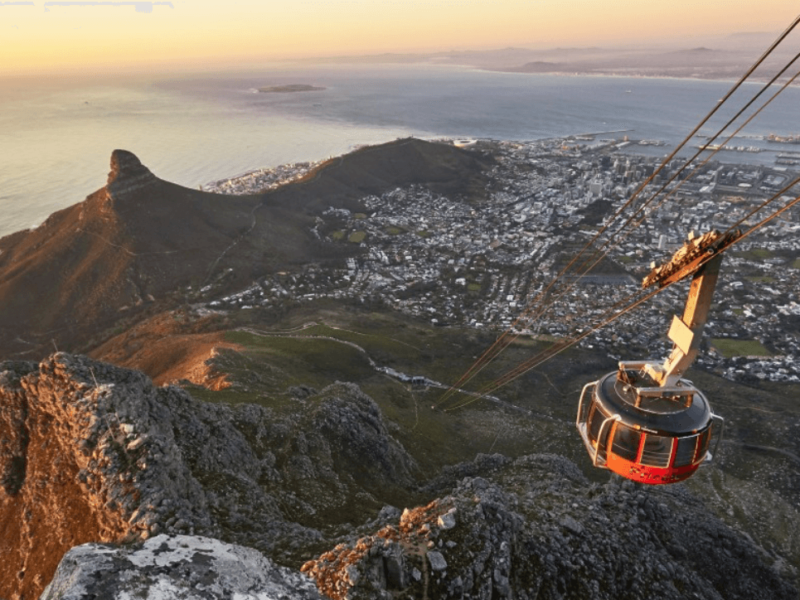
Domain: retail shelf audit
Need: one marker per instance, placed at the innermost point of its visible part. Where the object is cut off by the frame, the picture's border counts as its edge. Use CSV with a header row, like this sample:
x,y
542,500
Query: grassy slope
x,y
281,357
731,347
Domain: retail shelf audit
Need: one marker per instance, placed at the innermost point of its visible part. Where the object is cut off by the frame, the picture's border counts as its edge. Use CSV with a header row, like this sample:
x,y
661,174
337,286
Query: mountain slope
x,y
89,451
141,240
127,243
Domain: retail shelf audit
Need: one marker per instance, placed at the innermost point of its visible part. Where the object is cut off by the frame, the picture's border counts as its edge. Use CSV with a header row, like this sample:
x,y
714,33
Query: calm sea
x,y
56,138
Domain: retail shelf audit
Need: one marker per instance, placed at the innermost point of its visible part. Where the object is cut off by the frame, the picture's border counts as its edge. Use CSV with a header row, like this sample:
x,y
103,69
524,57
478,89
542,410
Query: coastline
x,y
571,74
160,123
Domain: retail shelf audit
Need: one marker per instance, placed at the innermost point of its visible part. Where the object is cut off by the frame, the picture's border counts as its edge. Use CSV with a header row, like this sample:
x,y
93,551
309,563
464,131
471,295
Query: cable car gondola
x,y
644,421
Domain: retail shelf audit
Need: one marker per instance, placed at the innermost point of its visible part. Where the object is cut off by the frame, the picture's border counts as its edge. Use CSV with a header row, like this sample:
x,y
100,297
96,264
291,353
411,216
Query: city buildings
x,y
484,263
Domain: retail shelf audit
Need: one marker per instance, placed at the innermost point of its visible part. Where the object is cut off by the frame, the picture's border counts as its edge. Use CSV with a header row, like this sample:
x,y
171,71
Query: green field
x,y
730,347
357,237
755,254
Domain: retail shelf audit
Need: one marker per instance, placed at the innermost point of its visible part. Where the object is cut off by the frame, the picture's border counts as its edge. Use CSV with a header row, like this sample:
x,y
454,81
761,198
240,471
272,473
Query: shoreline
x,y
754,81
53,175
510,71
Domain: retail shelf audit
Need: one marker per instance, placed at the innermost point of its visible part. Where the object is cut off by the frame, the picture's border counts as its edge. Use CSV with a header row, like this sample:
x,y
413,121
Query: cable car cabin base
x,y
648,436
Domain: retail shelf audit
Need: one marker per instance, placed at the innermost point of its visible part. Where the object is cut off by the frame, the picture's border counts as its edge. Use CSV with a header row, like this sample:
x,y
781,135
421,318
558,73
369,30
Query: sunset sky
x,y
39,35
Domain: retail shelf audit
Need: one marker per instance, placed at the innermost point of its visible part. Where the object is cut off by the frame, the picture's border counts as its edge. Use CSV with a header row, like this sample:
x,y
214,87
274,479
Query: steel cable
x,y
502,342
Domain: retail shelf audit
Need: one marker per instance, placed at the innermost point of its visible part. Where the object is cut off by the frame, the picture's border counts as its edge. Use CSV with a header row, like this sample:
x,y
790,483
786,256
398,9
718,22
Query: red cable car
x,y
645,422
649,439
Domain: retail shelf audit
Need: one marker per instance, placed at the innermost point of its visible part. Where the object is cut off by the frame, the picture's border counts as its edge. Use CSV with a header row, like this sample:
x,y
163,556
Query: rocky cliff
x,y
92,452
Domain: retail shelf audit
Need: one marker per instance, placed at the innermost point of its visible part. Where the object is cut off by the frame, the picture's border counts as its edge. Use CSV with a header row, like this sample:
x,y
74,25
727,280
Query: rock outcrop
x,y
60,484
174,568
127,175
92,452
95,453
539,529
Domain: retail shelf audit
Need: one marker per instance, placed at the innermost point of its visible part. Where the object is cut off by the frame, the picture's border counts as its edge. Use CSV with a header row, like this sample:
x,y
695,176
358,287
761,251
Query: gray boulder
x,y
175,568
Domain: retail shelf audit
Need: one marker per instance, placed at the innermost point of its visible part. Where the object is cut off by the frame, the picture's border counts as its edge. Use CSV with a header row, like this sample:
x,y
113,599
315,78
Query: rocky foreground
x,y
179,567
536,528
202,500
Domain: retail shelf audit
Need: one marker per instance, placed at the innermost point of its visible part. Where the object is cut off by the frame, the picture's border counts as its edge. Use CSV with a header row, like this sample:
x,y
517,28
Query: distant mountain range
x,y
727,57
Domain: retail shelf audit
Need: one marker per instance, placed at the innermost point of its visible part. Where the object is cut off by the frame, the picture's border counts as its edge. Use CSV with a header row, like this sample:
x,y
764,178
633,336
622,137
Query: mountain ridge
x,y
130,247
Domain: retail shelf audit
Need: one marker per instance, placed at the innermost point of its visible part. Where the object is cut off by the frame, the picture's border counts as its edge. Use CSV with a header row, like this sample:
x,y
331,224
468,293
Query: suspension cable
x,y
733,227
624,236
492,385
702,149
501,343
621,235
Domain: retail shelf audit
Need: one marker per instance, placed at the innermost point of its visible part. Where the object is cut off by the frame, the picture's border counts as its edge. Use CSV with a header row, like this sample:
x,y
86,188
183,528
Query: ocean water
x,y
56,137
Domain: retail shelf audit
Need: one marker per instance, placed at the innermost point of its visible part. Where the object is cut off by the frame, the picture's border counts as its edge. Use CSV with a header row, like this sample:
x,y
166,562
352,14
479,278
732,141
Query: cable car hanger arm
x,y
700,258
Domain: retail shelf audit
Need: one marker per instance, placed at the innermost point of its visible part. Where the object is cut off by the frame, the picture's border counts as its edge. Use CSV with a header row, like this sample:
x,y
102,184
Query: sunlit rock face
x,y
59,486
174,568
90,452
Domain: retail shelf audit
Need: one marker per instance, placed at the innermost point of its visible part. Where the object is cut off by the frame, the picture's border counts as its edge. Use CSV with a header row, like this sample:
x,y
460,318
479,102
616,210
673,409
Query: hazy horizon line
x,y
250,62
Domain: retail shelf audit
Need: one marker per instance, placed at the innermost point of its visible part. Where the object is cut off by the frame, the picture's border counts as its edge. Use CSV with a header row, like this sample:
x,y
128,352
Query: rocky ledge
x,y
176,568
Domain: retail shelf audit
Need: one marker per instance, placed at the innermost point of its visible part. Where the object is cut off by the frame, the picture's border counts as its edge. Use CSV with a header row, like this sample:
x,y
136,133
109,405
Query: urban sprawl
x,y
482,263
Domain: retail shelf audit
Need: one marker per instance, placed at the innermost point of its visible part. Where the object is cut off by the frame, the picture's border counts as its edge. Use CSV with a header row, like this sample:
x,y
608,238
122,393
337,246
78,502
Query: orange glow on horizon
x,y
206,32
